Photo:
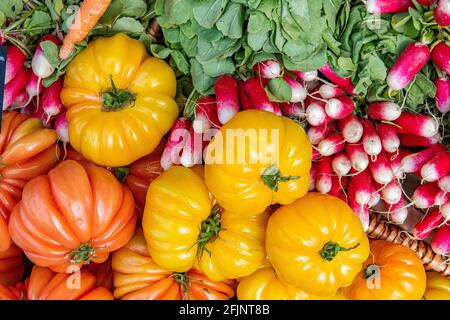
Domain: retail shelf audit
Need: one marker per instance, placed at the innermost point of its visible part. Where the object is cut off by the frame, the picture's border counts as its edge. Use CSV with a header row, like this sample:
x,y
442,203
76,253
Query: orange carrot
x,y
90,12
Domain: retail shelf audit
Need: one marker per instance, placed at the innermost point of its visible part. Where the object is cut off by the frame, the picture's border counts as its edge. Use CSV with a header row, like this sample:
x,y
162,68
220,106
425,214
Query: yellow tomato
x,y
392,272
258,159
120,101
438,287
316,244
183,229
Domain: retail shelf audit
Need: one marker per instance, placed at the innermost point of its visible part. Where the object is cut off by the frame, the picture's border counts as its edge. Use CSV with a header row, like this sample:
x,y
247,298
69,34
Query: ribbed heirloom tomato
x,y
138,277
183,229
258,159
438,287
392,272
120,101
72,216
316,244
44,284
27,150
11,265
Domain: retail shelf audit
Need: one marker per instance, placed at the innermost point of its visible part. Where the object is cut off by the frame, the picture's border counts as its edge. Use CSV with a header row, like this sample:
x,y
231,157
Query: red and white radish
x,y
21,100
312,176
414,162
51,98
425,195
323,175
417,124
381,169
412,140
193,149
362,211
227,102
389,137
39,63
14,62
298,92
344,83
341,164
384,111
256,92
62,127
395,161
268,69
440,56
408,64
429,222
392,192
306,76
358,157
387,6
327,91
337,187
370,139
177,140
397,212
318,133
205,115
34,86
442,98
244,100
332,144
339,108
362,184
442,13
437,167
316,115
315,155
351,128
38,112
292,110
14,87
441,240
444,183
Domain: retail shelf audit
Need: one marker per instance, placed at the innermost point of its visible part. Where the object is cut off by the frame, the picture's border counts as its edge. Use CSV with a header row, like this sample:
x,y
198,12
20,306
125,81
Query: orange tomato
x,y
27,150
72,216
11,265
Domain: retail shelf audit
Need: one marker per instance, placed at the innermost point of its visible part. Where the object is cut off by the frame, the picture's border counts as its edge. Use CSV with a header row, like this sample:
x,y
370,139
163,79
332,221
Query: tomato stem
x,y
371,271
272,175
185,282
122,173
83,254
210,229
116,99
331,249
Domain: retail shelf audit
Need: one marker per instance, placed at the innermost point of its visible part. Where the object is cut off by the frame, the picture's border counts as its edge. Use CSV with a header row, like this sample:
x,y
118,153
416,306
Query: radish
x,y
444,183
227,101
258,95
299,93
306,76
388,111
316,115
389,137
315,155
337,185
341,164
362,186
441,240
426,2
328,91
62,127
374,199
440,56
344,83
339,108
292,110
425,195
442,13
370,139
14,62
397,212
193,149
392,192
408,64
244,100
362,211
178,137
323,175
412,140
51,100
34,86
39,63
429,222
351,128
38,112
437,167
387,6
381,169
414,162
441,198
312,177
21,100
14,87
205,115
395,161
416,124
268,69
318,133
332,144
442,94
358,157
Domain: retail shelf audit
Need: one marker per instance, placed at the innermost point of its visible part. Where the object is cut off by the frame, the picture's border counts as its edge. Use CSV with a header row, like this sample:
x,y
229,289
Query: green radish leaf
x,y
112,13
159,51
11,8
180,61
280,89
208,12
134,8
215,68
201,81
38,24
128,25
231,22
51,52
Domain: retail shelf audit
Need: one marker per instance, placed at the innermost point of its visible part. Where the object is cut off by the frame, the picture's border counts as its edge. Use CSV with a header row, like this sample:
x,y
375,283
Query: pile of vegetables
x,y
117,166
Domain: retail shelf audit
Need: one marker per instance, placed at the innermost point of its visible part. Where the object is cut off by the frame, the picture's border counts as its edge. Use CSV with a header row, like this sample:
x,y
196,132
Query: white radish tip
x,y
226,115
332,107
326,148
392,111
428,173
430,128
372,146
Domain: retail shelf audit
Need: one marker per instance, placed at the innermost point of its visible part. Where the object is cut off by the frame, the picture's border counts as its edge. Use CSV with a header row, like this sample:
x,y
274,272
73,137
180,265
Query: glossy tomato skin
x,y
27,150
103,273
233,173
438,287
401,274
119,136
11,265
178,202
73,215
44,284
300,237
138,277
